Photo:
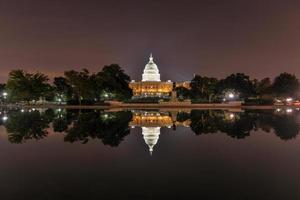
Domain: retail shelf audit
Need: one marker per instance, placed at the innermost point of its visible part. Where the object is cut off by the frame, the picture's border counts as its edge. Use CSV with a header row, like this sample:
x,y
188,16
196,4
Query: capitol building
x,y
151,85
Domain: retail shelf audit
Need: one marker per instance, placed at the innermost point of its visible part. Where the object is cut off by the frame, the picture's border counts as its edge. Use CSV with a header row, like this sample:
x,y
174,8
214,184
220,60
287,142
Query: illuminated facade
x,y
151,85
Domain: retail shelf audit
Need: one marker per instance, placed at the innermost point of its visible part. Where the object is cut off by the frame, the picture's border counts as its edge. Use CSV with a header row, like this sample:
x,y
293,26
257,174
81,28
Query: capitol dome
x,y
151,72
151,136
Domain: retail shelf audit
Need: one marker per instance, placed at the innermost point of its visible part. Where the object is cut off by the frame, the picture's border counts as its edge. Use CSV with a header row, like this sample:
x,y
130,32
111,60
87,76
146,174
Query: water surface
x,y
144,154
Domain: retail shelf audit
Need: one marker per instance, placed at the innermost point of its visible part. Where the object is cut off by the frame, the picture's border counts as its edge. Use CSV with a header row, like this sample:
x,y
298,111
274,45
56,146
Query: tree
x,y
81,84
23,86
2,87
62,88
239,82
263,87
182,92
2,90
204,87
286,85
112,78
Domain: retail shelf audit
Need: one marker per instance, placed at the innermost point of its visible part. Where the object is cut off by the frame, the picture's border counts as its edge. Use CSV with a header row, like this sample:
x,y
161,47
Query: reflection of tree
x,y
111,128
86,126
116,129
240,127
286,126
204,121
60,124
23,126
207,121
182,116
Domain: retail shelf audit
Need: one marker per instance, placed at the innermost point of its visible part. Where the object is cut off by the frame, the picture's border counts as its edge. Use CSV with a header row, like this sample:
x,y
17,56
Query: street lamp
x,y
231,95
4,118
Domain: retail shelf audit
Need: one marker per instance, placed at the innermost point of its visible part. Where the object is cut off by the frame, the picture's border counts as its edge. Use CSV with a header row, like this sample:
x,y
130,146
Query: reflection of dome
x,y
151,72
151,135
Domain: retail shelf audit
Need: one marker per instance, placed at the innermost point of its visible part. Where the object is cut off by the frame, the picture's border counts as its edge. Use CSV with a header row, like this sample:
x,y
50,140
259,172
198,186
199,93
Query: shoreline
x,y
152,106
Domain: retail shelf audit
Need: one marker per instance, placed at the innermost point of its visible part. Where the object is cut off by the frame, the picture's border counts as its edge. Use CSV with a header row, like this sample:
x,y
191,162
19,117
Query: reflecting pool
x,y
149,154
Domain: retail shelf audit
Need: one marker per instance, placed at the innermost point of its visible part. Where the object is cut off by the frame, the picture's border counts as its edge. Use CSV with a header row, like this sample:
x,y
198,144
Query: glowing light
x,y
289,99
22,110
4,93
4,118
289,110
231,95
231,116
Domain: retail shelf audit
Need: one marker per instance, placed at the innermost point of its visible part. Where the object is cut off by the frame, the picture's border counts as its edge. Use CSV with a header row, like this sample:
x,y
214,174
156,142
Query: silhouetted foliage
x,y
25,126
204,87
240,126
62,88
111,128
239,82
205,121
286,85
112,78
182,116
183,93
23,86
81,84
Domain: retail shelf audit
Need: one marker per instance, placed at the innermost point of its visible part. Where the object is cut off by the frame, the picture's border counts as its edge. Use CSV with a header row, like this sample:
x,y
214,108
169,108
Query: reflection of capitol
x,y
151,135
151,123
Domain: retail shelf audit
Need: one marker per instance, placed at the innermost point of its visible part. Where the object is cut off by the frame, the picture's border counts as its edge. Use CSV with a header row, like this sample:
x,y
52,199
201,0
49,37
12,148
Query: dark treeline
x,y
111,128
209,89
75,87
111,83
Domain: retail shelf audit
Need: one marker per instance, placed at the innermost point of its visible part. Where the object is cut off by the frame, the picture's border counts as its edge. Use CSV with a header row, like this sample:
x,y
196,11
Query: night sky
x,y
213,38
